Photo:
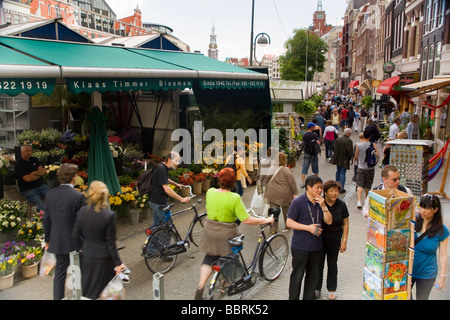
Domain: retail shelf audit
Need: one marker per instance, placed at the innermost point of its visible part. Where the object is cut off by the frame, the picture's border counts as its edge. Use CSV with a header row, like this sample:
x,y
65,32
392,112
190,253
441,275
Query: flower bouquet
x,y
142,202
186,178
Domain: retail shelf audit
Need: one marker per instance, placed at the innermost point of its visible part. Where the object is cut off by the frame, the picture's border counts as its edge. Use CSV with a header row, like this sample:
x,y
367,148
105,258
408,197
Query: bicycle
x,y
164,243
231,276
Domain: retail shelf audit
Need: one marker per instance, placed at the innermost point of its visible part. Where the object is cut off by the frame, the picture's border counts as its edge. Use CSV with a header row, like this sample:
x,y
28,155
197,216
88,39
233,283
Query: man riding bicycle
x,y
161,190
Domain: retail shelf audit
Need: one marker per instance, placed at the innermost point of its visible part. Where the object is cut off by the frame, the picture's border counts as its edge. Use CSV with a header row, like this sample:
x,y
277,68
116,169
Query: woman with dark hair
x,y
334,236
431,234
224,209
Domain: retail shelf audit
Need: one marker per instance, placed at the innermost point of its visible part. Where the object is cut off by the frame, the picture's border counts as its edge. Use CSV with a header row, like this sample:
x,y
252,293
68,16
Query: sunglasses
x,y
432,197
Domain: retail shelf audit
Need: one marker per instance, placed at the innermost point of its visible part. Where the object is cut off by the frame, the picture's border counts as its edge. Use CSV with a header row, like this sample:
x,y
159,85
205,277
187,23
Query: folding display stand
x,y
389,250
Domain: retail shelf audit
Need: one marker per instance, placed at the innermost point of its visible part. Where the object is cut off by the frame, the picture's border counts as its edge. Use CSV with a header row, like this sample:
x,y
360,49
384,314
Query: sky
x,y
192,21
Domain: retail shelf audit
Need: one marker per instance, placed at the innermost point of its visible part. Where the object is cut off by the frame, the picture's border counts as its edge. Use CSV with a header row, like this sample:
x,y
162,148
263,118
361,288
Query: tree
x,y
293,62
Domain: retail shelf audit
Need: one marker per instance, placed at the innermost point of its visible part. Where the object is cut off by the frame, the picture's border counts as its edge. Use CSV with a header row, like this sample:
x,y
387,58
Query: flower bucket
x,y
30,271
206,185
184,192
198,188
146,213
7,281
134,214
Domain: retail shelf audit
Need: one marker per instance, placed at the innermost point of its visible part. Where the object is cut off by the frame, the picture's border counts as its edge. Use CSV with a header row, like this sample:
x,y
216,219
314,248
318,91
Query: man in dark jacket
x,y
61,206
342,154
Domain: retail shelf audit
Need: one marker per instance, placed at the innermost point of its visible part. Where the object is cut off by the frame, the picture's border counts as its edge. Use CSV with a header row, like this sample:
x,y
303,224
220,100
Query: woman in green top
x,y
224,208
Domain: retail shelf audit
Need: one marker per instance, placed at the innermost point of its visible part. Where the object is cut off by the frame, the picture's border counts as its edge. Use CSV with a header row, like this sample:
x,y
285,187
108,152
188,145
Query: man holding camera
x,y
305,216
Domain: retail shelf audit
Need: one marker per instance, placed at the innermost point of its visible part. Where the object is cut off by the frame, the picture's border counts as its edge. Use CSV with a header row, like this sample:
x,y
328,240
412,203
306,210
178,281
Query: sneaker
x,y
359,205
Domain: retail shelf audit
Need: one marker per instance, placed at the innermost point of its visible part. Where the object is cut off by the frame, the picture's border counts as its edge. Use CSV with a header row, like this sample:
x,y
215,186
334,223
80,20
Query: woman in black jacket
x,y
95,234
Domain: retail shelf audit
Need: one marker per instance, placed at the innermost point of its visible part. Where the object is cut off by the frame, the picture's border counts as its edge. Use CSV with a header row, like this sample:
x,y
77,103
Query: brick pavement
x,y
350,263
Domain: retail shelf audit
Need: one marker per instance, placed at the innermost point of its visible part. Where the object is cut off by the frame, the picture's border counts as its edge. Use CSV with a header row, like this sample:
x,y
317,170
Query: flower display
x,y
186,178
116,150
32,229
200,177
11,215
30,255
8,265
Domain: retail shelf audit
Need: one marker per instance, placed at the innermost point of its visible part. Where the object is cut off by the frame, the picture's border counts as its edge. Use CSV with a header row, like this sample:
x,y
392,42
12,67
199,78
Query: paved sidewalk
x,y
350,263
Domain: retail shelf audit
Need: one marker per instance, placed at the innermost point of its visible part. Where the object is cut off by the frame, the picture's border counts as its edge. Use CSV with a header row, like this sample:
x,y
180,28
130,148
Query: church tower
x,y
319,20
212,51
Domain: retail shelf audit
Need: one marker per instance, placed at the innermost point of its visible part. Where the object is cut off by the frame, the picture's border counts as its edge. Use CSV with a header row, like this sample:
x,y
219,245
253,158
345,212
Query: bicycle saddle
x,y
237,241
167,208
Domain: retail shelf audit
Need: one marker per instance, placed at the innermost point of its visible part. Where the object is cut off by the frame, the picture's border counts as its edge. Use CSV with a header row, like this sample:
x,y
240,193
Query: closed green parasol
x,y
100,161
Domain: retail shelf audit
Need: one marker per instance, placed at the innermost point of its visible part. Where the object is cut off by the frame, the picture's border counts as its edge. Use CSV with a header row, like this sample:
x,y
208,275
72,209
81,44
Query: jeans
x,y
159,215
238,188
329,148
34,195
304,262
340,175
313,160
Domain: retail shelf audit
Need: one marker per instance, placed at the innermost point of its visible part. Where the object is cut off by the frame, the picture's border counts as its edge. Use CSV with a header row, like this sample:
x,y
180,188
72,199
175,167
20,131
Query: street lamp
x,y
261,39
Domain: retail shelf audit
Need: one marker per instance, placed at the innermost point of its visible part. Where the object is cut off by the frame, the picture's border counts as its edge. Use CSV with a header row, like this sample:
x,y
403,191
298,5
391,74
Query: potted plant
x,y
128,203
198,182
11,216
32,230
29,259
8,263
8,266
186,180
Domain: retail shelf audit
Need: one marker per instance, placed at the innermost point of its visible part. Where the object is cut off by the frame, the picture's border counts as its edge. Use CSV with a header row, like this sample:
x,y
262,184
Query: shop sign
x,y
77,86
389,67
13,87
232,84
408,79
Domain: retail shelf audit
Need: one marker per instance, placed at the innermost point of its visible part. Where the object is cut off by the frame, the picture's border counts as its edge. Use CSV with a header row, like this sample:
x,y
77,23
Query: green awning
x,y
89,68
16,65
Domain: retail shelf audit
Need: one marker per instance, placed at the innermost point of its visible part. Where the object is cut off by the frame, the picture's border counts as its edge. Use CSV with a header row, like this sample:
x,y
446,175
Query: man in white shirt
x,y
394,129
391,180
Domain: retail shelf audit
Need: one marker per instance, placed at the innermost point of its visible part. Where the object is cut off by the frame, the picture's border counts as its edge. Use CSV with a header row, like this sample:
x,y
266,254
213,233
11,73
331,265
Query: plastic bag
x,y
48,263
114,290
257,200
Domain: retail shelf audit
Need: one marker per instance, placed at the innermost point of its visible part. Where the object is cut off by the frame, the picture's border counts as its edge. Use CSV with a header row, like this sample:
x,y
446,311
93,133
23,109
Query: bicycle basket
x,y
231,267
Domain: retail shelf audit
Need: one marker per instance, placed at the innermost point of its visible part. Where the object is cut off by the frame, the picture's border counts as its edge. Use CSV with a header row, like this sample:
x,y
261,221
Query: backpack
x,y
371,156
313,148
144,182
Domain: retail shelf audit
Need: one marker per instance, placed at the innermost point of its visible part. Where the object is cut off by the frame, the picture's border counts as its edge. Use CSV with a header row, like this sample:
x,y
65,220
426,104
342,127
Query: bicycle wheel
x,y
218,288
197,230
273,257
155,259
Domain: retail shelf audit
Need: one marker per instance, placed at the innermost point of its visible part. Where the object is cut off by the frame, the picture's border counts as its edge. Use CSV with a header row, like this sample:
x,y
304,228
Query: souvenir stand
x,y
411,157
389,249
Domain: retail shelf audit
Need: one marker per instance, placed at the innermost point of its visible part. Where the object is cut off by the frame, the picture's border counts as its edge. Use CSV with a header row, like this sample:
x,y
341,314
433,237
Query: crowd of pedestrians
x,y
319,220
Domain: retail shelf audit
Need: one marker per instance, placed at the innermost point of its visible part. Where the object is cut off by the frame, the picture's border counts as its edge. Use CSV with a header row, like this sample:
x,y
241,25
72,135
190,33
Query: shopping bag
x,y
257,200
48,263
114,290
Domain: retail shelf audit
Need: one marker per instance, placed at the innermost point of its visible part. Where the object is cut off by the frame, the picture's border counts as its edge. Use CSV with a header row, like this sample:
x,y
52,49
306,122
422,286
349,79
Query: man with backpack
x,y
160,189
311,144
364,154
342,155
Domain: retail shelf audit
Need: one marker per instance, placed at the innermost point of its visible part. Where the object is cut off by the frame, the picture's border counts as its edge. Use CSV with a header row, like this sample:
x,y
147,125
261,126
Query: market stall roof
x,y
365,85
353,84
286,91
89,68
418,88
388,86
